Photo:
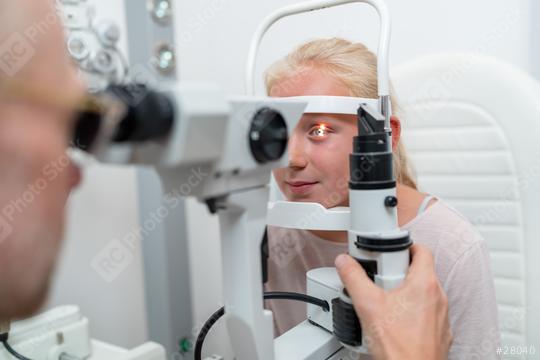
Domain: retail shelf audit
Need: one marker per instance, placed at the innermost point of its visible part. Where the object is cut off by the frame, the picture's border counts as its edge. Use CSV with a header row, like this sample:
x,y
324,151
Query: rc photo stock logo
x,y
110,262
15,53
5,229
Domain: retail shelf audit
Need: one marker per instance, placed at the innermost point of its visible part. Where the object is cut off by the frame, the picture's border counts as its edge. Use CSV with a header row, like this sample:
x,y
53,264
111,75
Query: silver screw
x,y
103,61
77,48
59,338
165,59
161,10
108,33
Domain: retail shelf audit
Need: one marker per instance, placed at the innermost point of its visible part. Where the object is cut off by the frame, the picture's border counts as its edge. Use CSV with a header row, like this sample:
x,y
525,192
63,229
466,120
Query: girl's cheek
x,y
318,155
343,184
279,175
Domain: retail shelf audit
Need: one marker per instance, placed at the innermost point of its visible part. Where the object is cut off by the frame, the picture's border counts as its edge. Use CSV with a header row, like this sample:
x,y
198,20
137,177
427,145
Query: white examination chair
x,y
472,128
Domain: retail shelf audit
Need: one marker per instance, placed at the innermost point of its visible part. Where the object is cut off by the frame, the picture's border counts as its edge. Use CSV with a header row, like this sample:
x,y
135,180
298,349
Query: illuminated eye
x,y
320,130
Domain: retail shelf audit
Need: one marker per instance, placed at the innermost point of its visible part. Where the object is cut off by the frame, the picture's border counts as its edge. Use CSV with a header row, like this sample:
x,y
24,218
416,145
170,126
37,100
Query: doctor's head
x,y
319,147
36,175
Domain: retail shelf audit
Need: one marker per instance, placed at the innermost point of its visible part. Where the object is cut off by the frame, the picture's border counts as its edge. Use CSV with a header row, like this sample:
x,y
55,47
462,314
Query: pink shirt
x,y
462,266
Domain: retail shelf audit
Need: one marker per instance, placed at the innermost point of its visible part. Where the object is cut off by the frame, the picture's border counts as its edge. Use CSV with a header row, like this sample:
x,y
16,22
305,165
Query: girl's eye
x,y
319,131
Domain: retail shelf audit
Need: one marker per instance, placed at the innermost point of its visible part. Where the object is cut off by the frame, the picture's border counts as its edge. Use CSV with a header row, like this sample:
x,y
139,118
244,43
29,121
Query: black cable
x,y
265,255
4,340
267,296
298,297
204,331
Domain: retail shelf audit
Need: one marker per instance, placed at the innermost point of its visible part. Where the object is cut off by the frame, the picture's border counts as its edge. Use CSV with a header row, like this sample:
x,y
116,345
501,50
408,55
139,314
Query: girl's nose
x,y
297,155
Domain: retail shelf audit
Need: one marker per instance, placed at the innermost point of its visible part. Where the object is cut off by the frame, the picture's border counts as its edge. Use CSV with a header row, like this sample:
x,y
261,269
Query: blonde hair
x,y
351,63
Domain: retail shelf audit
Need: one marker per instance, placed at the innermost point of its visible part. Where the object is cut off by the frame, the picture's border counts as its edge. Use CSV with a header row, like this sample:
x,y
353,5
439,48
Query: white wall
x,y
217,32
98,270
212,43
535,38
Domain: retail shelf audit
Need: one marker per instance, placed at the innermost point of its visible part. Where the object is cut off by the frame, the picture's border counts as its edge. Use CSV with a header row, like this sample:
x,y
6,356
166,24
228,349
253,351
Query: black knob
x,y
149,116
390,201
346,326
86,130
268,135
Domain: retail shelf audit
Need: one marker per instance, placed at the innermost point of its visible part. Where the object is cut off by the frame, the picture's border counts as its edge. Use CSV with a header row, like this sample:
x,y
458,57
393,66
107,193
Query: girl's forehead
x,y
309,82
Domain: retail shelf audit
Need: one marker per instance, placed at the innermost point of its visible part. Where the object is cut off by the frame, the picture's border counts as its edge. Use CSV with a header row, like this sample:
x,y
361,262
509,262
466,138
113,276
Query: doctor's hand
x,y
409,322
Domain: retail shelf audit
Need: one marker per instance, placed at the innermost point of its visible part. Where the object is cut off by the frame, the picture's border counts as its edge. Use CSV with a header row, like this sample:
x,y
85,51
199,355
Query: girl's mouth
x,y
300,187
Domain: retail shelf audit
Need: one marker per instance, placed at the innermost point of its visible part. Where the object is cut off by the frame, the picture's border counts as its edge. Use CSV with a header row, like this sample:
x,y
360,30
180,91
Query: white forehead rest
x,y
335,104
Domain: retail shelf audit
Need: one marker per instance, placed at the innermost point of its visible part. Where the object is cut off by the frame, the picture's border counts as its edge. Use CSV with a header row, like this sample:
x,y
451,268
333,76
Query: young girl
x,y
318,171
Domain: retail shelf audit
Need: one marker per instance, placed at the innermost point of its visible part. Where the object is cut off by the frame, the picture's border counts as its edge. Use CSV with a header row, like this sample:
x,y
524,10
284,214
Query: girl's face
x,y
319,146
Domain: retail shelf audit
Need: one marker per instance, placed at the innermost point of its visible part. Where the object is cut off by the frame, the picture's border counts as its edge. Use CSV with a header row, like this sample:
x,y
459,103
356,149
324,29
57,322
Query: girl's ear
x,y
395,123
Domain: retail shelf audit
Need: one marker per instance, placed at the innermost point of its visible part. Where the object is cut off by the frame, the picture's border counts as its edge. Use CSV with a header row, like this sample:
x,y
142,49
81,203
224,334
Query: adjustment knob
x,y
268,136
108,33
347,328
150,116
390,201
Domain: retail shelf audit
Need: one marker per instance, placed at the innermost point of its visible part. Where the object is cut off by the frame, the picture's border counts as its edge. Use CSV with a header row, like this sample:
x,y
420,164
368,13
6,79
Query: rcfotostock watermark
x,y
507,202
197,23
5,229
440,88
33,190
15,52
19,48
119,253
286,249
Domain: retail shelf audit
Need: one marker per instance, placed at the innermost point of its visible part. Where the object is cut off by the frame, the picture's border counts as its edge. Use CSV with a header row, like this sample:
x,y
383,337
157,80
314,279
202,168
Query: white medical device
x,y
234,142
375,239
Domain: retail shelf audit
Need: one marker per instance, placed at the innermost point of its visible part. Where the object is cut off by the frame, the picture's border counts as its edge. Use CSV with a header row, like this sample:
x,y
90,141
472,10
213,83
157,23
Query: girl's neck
x,y
333,236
